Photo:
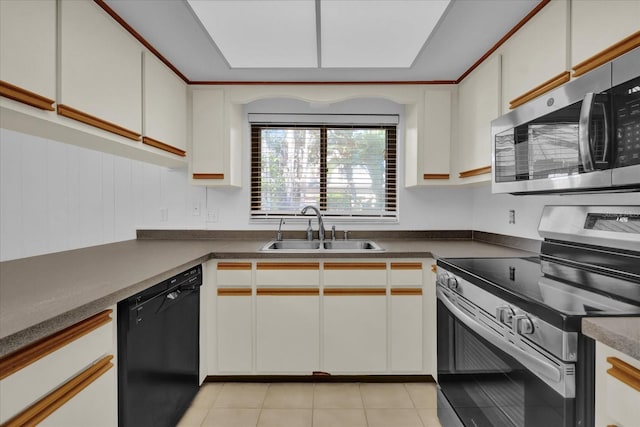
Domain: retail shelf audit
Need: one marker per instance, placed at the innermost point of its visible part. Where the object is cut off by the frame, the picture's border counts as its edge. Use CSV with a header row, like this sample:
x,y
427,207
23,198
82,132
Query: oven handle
x,y
549,371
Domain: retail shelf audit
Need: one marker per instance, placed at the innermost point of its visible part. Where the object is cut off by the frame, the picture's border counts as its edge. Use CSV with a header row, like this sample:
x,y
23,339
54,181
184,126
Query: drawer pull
x,y
26,97
24,357
355,291
50,403
406,291
288,291
406,266
355,266
234,292
234,266
288,266
624,372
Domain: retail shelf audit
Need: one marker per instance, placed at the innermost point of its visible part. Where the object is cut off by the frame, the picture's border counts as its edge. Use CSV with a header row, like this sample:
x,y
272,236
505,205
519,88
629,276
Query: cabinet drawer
x,y
370,274
233,274
288,274
406,274
22,387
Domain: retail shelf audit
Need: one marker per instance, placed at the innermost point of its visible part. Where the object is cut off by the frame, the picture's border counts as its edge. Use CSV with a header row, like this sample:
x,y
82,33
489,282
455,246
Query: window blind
x,y
345,170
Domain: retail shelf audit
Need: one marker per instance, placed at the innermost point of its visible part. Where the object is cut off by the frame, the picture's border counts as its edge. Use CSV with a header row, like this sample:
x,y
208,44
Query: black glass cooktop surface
x,y
521,280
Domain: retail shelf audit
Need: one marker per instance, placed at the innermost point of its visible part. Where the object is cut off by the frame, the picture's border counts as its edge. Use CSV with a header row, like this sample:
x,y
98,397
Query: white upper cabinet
x,y
216,139
100,70
165,107
478,103
436,146
596,25
28,50
537,53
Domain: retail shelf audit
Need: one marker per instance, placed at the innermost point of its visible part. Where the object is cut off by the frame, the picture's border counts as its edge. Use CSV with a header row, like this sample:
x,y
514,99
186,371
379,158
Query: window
x,y
345,170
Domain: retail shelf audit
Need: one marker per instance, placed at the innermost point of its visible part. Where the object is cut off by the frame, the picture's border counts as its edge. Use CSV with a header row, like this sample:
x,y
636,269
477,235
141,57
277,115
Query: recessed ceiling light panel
x,y
261,33
376,33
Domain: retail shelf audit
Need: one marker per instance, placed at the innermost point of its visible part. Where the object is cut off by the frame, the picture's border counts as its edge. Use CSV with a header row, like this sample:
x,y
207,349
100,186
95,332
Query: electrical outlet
x,y
164,214
512,216
195,210
212,215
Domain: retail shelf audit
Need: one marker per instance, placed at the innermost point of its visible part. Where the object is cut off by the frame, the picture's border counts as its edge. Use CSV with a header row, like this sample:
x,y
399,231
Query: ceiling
x,y
322,40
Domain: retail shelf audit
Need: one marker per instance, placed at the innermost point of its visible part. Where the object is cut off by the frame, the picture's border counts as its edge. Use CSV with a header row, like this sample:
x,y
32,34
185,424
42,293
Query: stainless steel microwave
x,y
583,136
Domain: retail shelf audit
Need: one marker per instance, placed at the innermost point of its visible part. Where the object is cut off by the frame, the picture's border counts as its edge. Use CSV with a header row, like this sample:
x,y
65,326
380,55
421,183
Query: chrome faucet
x,y
320,223
279,236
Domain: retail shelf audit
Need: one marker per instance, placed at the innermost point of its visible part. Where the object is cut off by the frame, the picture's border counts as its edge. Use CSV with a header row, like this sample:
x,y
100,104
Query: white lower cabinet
x,y
406,330
234,317
355,332
287,331
617,388
66,379
294,317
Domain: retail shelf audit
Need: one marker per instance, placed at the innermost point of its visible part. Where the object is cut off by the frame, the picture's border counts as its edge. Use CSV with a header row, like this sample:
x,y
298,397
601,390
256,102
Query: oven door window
x,y
488,387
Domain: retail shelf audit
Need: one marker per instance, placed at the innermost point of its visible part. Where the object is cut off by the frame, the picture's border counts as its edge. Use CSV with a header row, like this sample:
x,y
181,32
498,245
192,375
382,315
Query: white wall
x,y
491,211
55,197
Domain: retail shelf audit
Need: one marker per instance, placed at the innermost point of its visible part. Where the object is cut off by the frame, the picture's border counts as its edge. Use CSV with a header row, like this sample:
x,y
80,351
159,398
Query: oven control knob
x,y
505,314
452,283
522,325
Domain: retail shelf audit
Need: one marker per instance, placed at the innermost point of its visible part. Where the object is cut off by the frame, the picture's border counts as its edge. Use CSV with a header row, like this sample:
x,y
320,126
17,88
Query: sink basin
x,y
350,245
299,245
329,245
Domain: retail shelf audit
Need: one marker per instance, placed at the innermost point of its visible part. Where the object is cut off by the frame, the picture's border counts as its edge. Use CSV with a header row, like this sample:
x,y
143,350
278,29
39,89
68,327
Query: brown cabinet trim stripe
x,y
406,291
288,266
475,172
624,372
406,266
541,89
288,291
234,292
25,356
72,113
354,291
162,146
234,266
606,55
434,268
355,266
40,410
25,96
435,176
208,176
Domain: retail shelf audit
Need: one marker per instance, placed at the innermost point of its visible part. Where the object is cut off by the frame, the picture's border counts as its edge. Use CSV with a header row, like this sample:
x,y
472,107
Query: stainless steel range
x,y
510,351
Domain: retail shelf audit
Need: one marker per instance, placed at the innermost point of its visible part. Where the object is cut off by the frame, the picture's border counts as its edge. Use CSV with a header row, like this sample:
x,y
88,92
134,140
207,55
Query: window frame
x,y
390,212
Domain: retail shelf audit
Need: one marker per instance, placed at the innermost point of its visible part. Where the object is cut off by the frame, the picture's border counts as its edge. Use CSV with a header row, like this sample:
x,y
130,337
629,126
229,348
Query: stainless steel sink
x,y
352,245
299,245
329,245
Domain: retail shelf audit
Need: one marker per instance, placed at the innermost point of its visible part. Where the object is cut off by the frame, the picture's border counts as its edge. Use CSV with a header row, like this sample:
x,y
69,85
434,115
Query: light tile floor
x,y
313,405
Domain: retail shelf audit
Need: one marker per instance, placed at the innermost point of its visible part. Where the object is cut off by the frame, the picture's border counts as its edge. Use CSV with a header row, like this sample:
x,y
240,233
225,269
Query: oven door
x,y
487,386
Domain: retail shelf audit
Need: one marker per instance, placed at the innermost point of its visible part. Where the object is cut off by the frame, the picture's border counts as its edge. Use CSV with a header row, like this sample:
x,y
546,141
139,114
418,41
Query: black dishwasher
x,y
158,351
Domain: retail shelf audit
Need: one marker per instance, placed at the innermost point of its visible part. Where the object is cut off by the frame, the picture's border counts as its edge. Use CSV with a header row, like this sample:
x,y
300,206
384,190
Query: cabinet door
x,y
617,396
536,53
94,406
478,104
288,330
406,317
209,153
51,364
596,25
165,107
436,145
355,330
28,48
234,319
100,70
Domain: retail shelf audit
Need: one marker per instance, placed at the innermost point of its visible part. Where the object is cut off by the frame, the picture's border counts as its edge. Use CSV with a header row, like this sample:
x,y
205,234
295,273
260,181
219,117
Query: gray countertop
x,y
44,294
620,333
